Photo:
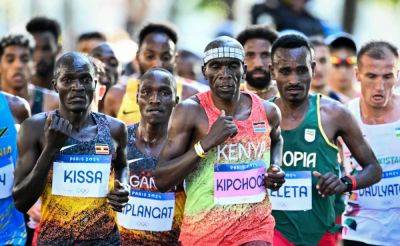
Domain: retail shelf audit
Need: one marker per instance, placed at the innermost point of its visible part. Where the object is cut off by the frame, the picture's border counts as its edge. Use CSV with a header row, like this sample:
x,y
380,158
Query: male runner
x,y
105,53
65,158
221,142
319,82
15,59
342,79
157,48
13,110
151,217
372,215
311,124
47,35
89,40
257,41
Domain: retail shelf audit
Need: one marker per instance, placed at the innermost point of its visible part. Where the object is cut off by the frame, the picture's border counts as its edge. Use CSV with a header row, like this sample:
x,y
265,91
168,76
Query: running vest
x,y
226,201
150,217
37,106
129,111
373,214
12,226
301,214
74,204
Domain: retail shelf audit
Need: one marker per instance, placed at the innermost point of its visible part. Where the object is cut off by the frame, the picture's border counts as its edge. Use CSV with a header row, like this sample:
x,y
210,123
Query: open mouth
x,y
378,98
155,110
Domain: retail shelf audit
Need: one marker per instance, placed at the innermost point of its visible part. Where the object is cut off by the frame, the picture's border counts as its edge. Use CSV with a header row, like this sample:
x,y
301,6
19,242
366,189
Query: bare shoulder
x,y
19,107
33,127
273,113
333,110
117,127
117,90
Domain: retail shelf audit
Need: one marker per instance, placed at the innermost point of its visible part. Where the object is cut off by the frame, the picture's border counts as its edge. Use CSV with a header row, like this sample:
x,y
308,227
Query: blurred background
x,y
198,21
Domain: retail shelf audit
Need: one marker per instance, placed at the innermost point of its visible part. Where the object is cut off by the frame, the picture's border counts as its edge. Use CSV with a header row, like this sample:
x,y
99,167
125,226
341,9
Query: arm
x,y
20,108
187,91
346,127
31,172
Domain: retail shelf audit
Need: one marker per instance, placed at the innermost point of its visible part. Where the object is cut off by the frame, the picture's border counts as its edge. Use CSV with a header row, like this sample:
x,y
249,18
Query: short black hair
x,y
376,50
151,71
290,41
13,39
44,24
258,32
158,28
316,41
187,54
91,35
341,41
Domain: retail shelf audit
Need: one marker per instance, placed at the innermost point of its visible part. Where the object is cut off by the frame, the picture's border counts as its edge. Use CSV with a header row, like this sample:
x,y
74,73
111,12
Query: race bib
x,y
6,176
295,194
239,183
81,175
383,195
148,211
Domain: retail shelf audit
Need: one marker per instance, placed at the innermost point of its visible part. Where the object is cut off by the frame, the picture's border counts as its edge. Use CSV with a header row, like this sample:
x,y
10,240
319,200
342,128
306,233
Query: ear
x,y
203,70
244,71
271,71
313,64
54,85
358,75
177,99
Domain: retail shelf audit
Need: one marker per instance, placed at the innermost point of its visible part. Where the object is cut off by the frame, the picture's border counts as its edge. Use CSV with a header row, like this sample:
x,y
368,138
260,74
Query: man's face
x,y
377,78
186,67
156,98
157,50
224,76
293,69
342,73
15,66
258,59
45,52
322,67
107,56
76,85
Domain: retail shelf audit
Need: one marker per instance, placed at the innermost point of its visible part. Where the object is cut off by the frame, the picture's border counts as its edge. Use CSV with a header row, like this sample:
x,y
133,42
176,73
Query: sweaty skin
x,y
293,70
157,50
42,136
19,107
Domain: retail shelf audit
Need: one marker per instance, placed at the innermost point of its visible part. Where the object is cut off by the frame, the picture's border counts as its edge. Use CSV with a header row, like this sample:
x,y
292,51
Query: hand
x,y
118,197
56,131
274,178
329,184
222,129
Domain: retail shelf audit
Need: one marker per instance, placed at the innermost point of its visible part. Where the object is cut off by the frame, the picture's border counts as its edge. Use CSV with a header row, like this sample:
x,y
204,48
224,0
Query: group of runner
x,y
263,156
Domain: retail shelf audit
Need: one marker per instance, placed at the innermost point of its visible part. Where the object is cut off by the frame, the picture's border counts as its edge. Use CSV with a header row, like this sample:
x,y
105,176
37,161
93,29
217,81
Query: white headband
x,y
223,52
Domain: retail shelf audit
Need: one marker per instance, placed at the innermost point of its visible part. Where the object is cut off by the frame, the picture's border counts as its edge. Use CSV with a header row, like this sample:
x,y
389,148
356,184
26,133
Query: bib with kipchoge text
x,y
81,175
148,211
295,194
239,183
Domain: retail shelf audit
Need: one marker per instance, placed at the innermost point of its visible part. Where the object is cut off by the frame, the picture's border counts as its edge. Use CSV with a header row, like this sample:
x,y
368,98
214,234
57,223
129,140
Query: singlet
x,y
226,201
150,217
301,214
129,111
74,205
373,214
37,106
12,226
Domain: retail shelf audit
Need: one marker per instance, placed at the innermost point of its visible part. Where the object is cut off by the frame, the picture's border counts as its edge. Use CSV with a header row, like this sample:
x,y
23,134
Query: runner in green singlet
x,y
311,124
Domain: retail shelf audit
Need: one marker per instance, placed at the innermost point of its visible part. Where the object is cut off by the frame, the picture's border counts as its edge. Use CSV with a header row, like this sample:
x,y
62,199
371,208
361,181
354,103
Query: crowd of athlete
x,y
293,140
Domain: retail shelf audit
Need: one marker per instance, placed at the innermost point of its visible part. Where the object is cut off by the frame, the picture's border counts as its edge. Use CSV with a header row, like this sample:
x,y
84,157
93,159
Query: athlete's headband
x,y
223,52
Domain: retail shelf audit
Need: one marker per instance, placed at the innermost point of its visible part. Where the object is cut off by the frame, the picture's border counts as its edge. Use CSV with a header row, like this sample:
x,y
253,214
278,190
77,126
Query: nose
x,y
379,84
258,63
225,74
157,63
154,98
77,85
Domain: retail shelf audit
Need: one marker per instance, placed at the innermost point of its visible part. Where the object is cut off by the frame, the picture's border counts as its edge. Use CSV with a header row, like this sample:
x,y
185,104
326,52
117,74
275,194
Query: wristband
x,y
199,150
350,182
353,182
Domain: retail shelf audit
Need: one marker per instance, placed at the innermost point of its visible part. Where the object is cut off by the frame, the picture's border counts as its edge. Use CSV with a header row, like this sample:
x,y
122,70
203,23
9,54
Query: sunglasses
x,y
348,61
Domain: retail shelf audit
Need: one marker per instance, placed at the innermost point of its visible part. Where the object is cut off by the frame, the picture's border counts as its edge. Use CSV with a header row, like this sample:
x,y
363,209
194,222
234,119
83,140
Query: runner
x,y
161,225
15,59
257,41
105,53
319,82
221,143
311,124
89,40
373,214
157,48
342,79
47,35
13,111
65,158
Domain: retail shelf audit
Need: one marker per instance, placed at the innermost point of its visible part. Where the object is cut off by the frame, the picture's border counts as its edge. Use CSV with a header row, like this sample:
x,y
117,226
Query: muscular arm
x,y
20,108
274,119
177,159
359,148
113,100
119,134
33,165
188,90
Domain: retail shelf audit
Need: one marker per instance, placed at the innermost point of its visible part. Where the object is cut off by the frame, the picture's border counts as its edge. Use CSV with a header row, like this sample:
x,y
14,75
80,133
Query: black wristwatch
x,y
348,182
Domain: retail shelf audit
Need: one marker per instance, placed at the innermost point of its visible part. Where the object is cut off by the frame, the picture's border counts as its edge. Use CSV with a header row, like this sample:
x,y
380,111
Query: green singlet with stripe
x,y
308,148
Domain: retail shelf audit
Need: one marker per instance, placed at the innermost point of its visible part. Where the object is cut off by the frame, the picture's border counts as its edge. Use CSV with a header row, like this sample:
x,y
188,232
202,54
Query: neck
x,y
22,92
229,106
294,109
377,115
77,120
263,89
152,133
44,82
320,89
347,91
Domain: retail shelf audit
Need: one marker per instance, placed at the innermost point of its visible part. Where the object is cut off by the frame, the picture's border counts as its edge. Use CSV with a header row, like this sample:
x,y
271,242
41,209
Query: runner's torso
x,y
150,217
